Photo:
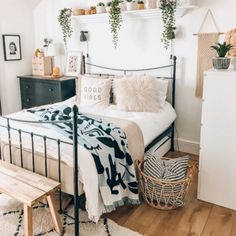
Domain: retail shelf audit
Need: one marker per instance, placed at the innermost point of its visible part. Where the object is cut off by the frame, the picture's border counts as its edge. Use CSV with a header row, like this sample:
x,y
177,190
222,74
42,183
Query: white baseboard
x,y
188,146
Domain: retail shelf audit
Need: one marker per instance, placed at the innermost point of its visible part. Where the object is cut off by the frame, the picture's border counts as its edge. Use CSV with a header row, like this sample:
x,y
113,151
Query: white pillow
x,y
95,92
162,87
136,93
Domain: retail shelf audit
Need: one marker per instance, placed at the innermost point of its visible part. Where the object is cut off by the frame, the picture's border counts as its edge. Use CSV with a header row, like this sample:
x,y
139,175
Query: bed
x,y
34,146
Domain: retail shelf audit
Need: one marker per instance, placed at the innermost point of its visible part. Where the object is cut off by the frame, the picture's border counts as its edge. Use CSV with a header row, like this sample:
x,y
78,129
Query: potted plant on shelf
x,y
221,62
140,4
108,7
131,5
168,9
150,4
64,20
101,8
115,20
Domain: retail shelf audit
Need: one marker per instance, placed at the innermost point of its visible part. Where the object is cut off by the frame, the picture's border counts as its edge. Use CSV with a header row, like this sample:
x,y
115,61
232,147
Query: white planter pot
x,y
122,6
108,9
100,9
130,6
150,4
186,2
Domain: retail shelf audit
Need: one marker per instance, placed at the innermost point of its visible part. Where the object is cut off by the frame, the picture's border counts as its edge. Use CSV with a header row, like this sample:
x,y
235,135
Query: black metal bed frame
x,y
169,132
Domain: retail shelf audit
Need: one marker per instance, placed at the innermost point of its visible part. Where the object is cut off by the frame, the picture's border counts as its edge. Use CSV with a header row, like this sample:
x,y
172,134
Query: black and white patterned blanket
x,y
108,146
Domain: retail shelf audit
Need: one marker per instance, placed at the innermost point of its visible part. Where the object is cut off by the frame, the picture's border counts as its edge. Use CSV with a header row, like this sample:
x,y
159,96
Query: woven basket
x,y
164,194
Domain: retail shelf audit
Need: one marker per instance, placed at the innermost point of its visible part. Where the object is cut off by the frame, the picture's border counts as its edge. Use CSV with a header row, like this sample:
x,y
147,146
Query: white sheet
x,y
151,125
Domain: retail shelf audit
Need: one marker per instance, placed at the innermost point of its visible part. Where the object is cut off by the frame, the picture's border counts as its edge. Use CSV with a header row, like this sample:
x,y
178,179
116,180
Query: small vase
x,y
130,6
150,4
221,63
100,9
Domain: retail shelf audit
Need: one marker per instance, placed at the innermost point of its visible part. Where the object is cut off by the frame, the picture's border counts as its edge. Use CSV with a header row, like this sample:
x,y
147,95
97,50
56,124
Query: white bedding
x,y
151,125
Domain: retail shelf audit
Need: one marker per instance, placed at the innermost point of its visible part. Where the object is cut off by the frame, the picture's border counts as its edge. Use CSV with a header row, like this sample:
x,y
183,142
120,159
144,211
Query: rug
x,y
12,222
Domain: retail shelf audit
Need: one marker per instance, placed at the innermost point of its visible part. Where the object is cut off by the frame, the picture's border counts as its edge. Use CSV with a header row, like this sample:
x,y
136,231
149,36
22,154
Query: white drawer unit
x,y
217,167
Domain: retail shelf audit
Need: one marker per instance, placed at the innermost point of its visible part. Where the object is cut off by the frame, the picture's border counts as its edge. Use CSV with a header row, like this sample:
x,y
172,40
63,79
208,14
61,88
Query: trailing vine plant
x,y
64,19
115,20
168,8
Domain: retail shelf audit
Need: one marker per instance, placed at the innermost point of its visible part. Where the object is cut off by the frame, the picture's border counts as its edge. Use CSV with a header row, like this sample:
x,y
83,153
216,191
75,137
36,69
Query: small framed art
x,y
73,63
11,47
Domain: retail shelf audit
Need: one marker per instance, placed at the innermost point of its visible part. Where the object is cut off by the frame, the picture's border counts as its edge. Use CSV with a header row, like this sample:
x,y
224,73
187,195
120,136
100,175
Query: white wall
x,y
16,17
139,46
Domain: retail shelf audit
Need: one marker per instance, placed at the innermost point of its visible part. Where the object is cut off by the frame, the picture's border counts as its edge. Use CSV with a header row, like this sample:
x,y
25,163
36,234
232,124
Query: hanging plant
x,y
168,8
115,20
64,19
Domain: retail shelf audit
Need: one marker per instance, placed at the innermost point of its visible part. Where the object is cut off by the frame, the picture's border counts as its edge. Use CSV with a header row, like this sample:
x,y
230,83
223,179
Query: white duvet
x,y
151,125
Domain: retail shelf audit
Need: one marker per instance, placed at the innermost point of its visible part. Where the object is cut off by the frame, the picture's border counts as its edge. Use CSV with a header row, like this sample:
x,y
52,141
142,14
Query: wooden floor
x,y
196,218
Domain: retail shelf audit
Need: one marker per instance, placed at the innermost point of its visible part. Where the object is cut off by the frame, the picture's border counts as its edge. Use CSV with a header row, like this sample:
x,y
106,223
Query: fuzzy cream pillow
x,y
136,93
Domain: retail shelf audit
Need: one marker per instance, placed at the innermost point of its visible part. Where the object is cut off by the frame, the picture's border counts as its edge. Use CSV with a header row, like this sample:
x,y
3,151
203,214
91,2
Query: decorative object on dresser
x,y
11,47
217,154
73,63
221,62
36,91
42,66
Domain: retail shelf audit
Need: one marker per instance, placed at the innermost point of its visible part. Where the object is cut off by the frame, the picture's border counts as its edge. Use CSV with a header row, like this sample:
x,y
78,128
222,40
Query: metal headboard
x,y
172,65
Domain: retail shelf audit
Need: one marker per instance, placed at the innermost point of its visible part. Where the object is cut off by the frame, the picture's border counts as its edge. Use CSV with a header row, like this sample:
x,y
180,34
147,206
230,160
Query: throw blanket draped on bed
x,y
108,146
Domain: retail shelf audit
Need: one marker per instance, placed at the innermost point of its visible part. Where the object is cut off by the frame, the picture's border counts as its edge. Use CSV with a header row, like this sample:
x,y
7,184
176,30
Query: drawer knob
x,y
27,86
28,100
50,90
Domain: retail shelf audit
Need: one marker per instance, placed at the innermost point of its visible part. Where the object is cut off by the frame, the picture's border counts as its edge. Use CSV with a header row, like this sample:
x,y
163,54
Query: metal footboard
x,y
45,139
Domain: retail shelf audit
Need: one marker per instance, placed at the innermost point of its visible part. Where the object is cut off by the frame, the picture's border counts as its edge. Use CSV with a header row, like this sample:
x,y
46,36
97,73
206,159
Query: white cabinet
x,y
217,167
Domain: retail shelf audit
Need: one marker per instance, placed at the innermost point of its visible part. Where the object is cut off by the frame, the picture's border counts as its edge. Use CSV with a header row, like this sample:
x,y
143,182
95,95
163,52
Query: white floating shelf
x,y
131,15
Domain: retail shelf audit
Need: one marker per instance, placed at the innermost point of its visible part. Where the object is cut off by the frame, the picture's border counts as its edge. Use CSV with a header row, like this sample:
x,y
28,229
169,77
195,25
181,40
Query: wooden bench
x,y
29,188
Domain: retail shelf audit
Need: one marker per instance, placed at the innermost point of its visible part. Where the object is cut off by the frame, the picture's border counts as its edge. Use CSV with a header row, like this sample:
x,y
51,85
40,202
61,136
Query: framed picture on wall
x,y
73,63
11,47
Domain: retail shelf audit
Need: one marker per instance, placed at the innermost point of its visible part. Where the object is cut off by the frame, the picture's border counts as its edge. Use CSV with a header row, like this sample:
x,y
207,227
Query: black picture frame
x,y
12,47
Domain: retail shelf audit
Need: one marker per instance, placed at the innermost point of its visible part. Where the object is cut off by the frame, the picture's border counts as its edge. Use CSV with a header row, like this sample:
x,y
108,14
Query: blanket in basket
x,y
108,146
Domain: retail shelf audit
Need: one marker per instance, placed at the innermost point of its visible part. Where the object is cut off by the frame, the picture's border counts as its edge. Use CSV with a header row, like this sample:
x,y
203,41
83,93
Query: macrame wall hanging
x,y
205,54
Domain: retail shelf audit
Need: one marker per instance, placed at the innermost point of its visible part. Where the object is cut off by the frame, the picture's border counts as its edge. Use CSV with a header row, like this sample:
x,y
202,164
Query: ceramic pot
x,y
87,12
122,6
150,4
78,12
140,6
108,9
221,63
100,9
130,6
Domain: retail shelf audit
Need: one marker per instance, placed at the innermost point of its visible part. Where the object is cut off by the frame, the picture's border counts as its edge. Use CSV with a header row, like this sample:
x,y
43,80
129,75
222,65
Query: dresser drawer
x,y
51,90
31,101
27,87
